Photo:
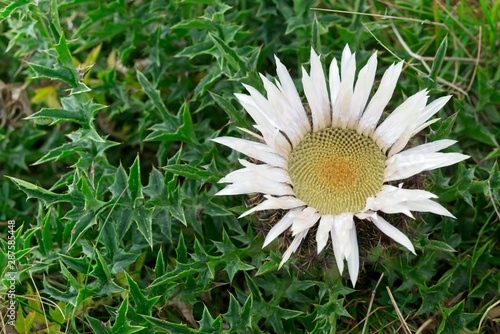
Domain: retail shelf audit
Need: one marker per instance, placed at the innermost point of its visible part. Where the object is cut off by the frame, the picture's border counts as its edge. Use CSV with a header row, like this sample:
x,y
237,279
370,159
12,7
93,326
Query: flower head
x,y
330,160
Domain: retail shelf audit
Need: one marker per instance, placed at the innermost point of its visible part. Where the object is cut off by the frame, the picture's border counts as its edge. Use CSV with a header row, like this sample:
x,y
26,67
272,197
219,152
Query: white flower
x,y
332,165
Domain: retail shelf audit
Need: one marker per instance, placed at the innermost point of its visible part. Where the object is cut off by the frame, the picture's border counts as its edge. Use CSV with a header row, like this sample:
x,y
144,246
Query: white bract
x,y
330,161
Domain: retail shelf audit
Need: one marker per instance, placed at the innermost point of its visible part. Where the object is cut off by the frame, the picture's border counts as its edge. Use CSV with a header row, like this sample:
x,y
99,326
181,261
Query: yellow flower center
x,y
336,170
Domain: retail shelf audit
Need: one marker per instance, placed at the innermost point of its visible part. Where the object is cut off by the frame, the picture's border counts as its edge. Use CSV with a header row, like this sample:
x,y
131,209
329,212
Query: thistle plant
x,y
122,122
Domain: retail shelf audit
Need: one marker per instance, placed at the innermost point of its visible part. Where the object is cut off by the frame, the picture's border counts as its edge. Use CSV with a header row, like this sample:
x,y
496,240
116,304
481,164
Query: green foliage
x,y
107,166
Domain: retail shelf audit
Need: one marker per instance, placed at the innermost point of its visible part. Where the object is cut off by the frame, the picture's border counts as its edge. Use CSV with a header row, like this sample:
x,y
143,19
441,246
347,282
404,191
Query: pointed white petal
x,y
405,136
402,141
362,90
254,111
274,173
431,147
391,194
337,252
276,110
432,109
392,232
388,204
263,187
320,119
342,106
290,91
343,224
289,122
293,247
264,106
341,240
423,126
428,205
334,82
346,57
353,258
254,172
397,200
402,166
379,101
271,134
276,140
251,133
254,150
304,220
400,122
274,203
321,89
324,228
280,227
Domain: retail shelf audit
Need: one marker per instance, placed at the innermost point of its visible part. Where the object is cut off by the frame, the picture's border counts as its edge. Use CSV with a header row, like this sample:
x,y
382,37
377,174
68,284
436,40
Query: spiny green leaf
x,y
207,322
233,59
177,212
246,313
208,81
122,216
58,73
119,187
171,132
156,188
143,217
80,264
190,172
169,327
134,181
437,245
122,260
61,152
64,55
155,98
73,282
234,115
13,6
160,264
233,314
91,202
439,58
444,128
33,191
479,290
96,326
143,305
82,225
80,88
67,297
122,324
257,295
196,49
46,243
484,249
58,115
87,108
184,131
495,154
482,134
269,266
101,269
181,250
181,271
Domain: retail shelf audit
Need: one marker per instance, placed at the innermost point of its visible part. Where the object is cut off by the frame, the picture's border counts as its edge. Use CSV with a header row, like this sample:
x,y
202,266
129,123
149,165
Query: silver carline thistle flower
x,y
336,168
